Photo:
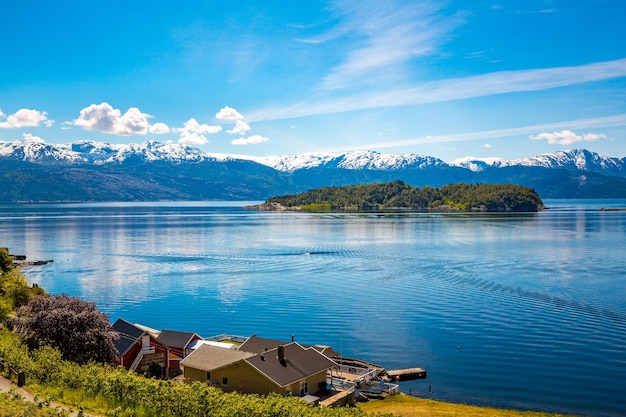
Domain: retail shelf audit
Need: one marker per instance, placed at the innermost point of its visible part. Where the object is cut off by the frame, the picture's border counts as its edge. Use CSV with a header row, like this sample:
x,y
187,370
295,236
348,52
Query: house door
x,y
304,387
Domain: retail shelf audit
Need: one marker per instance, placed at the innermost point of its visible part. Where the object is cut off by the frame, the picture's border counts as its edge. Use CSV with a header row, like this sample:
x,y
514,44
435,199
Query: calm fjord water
x,y
523,310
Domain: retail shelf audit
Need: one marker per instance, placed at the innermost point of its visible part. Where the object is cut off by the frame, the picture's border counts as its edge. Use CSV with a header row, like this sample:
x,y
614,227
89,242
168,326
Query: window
x,y
208,376
224,380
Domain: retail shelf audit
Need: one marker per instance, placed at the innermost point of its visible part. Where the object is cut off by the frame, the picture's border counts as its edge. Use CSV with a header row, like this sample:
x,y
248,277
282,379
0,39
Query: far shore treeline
x,y
397,195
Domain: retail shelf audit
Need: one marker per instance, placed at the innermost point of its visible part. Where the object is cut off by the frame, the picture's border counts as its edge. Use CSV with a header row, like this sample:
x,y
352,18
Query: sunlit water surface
x,y
522,310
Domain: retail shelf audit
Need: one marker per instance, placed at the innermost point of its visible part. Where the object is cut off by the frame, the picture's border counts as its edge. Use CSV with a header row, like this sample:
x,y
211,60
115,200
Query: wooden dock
x,y
405,374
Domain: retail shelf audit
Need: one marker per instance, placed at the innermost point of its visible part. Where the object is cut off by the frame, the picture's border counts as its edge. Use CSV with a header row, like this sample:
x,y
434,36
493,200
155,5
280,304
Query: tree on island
x,y
399,195
72,325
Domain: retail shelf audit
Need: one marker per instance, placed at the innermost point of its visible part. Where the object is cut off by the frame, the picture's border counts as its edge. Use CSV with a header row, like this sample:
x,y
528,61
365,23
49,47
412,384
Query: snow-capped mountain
x,y
576,159
367,160
97,171
476,164
99,153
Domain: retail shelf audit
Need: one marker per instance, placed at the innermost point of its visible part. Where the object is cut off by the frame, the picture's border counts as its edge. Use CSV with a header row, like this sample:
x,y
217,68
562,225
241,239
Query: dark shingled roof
x,y
298,364
258,344
175,339
129,334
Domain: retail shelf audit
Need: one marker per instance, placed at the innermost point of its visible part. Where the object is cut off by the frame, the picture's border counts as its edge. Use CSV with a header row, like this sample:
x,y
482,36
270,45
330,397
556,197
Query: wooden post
x,y
21,379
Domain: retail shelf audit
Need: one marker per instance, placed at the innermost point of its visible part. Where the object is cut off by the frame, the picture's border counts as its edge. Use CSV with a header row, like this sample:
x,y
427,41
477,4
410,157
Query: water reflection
x,y
501,309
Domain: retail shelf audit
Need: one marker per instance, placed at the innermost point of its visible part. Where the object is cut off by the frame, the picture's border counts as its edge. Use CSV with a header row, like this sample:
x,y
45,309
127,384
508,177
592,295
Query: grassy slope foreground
x,y
398,195
406,406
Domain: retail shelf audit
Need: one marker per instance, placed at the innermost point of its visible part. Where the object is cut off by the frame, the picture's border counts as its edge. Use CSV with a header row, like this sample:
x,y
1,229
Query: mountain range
x,y
97,171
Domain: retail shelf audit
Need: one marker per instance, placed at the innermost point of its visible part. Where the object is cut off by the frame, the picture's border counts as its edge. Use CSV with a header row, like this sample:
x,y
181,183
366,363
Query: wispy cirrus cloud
x,y
379,38
453,89
579,124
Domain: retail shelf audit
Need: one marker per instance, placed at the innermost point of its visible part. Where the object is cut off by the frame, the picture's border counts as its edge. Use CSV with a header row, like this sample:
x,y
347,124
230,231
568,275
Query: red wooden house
x,y
138,349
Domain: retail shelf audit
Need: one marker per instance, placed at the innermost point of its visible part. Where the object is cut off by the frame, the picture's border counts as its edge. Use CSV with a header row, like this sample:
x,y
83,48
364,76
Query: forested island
x,y
397,195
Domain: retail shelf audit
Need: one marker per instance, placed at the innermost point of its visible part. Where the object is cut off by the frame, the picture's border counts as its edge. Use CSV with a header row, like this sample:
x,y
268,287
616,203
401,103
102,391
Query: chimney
x,y
293,338
281,354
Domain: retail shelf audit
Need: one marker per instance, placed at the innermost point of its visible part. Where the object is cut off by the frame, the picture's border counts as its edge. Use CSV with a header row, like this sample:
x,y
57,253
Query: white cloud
x,y
592,137
28,138
382,37
250,140
240,128
104,118
483,85
228,113
567,137
618,120
25,118
194,132
487,146
159,129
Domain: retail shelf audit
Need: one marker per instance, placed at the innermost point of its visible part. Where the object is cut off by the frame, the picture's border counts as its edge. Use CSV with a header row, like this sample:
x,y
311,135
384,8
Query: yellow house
x,y
289,369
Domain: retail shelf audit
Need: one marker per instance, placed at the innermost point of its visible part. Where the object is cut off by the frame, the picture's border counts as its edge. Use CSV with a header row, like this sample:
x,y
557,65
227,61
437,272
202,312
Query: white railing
x,y
148,350
136,362
363,374
341,384
367,376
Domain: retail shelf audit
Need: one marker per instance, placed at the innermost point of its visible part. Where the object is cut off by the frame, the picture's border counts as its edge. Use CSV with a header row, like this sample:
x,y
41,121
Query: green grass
x,y
407,406
12,405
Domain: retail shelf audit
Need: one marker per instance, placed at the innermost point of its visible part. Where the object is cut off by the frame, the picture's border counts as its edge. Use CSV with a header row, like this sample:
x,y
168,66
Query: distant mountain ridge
x,y
97,171
577,159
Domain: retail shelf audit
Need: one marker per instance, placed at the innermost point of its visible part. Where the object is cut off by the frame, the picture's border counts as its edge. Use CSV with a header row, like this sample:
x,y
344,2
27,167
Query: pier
x,y
405,374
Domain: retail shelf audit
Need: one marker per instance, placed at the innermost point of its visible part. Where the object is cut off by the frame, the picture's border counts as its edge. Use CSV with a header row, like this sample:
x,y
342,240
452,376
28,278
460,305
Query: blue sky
x,y
497,78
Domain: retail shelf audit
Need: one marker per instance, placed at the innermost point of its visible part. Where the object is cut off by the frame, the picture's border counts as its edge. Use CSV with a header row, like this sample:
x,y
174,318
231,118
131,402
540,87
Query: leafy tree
x,y
73,326
6,262
14,288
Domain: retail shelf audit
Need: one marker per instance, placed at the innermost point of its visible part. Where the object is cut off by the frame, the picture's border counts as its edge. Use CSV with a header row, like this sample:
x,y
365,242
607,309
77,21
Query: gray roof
x,y
176,339
299,363
209,358
129,334
256,344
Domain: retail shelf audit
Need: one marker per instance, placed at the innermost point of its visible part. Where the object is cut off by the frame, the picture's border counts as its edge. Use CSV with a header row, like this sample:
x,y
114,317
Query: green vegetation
x,y
406,406
12,405
14,290
398,195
